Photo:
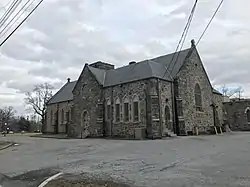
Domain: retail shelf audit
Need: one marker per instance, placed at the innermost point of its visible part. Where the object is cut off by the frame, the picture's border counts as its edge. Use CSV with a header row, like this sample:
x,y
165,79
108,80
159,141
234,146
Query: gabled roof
x,y
134,72
152,68
155,67
175,66
64,94
99,74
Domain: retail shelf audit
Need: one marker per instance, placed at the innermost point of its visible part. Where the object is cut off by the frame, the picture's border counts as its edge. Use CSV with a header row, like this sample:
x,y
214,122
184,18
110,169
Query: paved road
x,y
187,161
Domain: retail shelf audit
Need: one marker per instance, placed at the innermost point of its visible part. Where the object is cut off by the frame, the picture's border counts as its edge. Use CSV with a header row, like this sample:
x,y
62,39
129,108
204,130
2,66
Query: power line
x,y
15,17
9,11
189,23
210,21
9,5
184,33
21,23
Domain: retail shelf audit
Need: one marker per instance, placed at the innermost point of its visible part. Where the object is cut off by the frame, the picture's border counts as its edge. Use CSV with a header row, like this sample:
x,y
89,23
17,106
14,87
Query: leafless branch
x,y
38,98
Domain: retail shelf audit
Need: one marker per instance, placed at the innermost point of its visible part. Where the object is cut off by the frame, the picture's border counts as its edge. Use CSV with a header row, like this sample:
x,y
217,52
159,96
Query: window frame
x,y
117,114
51,117
248,115
62,116
100,111
108,110
134,117
155,106
126,112
198,97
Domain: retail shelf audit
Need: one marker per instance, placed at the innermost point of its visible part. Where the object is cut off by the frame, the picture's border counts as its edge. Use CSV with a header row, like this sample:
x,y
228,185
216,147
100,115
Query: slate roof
x,y
64,94
99,74
155,67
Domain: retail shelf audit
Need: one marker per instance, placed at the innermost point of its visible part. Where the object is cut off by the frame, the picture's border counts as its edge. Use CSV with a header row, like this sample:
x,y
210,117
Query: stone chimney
x,y
68,80
192,43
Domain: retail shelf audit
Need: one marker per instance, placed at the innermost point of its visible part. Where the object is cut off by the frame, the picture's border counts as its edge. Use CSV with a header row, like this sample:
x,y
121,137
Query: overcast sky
x,y
63,35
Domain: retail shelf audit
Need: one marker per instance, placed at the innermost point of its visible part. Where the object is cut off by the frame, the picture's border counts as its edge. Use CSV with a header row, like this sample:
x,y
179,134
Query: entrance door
x,y
84,124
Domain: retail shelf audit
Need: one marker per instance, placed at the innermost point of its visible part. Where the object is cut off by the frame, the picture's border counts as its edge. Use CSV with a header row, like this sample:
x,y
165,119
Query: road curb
x,y
44,183
6,146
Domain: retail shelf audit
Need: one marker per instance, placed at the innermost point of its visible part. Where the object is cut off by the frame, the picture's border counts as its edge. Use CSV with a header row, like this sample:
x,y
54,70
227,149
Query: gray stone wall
x,y
62,121
128,92
236,116
218,100
166,104
191,73
51,120
87,95
144,91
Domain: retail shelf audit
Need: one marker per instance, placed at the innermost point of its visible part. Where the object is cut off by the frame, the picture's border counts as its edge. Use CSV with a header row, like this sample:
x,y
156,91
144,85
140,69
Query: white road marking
x,y
49,179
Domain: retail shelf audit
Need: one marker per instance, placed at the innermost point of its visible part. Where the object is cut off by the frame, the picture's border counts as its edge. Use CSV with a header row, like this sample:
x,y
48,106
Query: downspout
x,y
175,94
149,132
103,112
57,120
214,108
173,106
112,112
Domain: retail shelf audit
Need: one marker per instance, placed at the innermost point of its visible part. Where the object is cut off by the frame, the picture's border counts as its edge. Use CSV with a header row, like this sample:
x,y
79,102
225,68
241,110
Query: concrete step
x,y
169,133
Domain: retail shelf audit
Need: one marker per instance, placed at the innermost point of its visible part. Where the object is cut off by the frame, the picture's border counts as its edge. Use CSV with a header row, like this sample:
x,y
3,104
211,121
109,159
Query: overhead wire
x,y
191,18
184,34
8,6
216,11
11,21
9,12
21,23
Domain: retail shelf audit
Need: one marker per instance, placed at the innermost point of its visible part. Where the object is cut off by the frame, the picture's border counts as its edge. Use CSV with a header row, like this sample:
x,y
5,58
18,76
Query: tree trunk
x,y
43,121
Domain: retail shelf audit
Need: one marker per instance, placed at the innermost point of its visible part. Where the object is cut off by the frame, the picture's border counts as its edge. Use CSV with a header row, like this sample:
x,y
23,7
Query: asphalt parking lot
x,y
222,160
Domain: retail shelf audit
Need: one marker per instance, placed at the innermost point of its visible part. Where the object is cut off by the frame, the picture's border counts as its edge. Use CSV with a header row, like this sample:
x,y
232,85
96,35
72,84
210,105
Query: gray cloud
x,y
63,35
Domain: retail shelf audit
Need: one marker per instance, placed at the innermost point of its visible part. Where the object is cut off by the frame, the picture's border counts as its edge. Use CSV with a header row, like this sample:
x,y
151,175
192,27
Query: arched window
x,y
62,116
136,108
117,110
248,115
198,99
51,117
108,109
126,109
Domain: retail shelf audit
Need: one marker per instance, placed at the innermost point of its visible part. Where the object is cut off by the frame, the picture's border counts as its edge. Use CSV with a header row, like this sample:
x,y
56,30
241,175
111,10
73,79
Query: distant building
x,y
237,112
151,99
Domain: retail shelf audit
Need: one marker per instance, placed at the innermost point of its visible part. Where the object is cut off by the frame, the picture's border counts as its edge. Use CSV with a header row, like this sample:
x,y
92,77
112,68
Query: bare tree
x,y
6,114
38,98
230,92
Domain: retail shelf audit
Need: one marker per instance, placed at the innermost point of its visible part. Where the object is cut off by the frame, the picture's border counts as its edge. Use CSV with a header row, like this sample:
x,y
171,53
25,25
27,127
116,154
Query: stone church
x,y
154,98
